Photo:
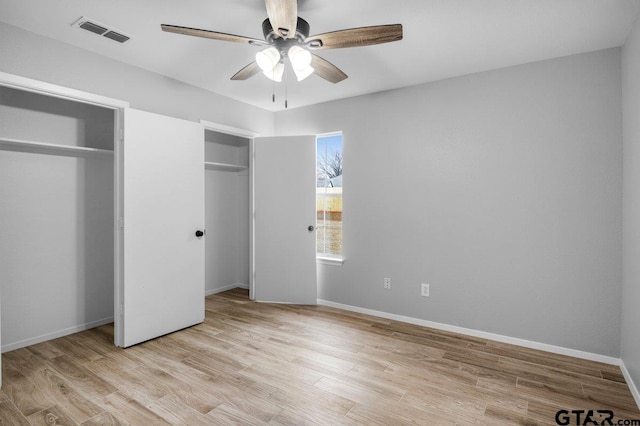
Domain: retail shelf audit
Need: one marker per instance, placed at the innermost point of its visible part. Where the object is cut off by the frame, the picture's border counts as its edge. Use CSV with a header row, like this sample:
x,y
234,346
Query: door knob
x,y
199,233
311,228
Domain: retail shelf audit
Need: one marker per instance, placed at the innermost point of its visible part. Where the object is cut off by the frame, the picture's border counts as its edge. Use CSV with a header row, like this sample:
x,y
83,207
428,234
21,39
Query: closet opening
x,y
227,211
57,184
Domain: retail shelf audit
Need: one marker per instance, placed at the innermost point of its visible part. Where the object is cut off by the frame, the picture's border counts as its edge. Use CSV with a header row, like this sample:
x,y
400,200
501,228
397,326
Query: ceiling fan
x,y
287,36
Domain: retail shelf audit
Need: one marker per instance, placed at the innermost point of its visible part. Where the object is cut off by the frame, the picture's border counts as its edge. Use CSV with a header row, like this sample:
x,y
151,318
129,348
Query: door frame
x,y
250,135
48,89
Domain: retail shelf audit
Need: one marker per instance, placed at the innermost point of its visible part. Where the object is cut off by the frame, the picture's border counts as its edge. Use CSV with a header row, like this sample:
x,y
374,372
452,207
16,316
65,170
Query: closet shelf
x,y
9,144
224,167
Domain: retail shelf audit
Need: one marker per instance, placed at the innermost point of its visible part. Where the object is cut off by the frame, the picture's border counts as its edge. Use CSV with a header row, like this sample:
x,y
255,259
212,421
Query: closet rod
x,y
209,165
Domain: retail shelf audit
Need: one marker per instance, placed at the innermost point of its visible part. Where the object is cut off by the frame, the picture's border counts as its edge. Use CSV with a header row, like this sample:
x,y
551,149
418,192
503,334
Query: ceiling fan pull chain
x,y
286,88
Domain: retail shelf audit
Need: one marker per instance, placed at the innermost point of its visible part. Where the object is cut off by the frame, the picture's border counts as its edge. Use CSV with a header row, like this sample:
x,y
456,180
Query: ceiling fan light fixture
x,y
299,57
300,62
276,73
304,73
268,59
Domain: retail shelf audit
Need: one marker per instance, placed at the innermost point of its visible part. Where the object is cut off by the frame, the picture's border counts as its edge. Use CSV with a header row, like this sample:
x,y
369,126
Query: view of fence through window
x,y
329,194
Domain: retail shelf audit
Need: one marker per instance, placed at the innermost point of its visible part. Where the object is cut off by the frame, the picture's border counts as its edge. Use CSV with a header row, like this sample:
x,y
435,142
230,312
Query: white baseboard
x,y
225,288
60,333
632,385
475,333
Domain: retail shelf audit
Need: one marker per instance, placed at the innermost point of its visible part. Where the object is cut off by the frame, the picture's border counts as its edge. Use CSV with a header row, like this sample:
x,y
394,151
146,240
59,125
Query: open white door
x,y
284,206
161,203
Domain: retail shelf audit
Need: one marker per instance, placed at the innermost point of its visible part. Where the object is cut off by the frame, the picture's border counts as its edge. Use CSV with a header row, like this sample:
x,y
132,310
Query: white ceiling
x,y
442,38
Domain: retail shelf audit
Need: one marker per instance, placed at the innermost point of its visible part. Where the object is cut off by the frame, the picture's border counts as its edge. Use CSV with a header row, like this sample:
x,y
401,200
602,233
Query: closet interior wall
x,y
56,218
226,212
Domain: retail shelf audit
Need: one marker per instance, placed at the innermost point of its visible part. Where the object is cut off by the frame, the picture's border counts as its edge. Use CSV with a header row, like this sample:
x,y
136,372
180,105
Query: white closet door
x,y
162,267
284,200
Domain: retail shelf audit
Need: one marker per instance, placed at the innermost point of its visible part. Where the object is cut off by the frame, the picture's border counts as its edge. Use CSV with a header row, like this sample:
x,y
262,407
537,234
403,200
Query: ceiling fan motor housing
x,y
302,31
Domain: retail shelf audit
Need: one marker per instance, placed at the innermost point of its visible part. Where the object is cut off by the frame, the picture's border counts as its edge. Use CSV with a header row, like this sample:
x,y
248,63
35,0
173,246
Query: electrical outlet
x,y
387,283
424,290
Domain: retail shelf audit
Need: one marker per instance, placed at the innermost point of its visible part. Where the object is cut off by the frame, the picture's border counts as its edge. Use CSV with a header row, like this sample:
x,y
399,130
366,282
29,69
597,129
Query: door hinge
x,y
121,310
121,223
121,134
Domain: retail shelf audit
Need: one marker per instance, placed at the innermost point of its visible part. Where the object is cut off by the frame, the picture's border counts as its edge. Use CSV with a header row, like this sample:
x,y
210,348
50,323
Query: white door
x,y
161,202
284,206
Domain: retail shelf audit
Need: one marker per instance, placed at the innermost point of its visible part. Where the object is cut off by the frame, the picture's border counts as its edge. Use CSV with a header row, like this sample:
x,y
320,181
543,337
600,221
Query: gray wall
x,y
631,210
501,189
227,224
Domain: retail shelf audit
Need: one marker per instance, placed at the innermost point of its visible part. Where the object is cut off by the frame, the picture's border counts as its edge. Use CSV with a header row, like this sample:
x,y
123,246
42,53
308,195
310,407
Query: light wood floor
x,y
251,363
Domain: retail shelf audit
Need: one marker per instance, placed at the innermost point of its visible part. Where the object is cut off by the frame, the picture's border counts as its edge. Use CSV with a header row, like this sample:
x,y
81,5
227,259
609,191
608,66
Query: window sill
x,y
330,260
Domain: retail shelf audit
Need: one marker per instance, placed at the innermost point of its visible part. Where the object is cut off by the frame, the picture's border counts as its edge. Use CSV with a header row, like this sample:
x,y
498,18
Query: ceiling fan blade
x,y
355,37
326,70
211,34
283,16
247,72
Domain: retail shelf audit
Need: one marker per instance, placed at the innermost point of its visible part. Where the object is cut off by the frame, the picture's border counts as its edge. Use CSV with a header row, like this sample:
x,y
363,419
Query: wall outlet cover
x,y
424,290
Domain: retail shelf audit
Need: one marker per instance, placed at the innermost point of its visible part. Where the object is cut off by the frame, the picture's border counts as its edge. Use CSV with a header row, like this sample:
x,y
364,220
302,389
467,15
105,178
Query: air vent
x,y
90,26
100,29
120,38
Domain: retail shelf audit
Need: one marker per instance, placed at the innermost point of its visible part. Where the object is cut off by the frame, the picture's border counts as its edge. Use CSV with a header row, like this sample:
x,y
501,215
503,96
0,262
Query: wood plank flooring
x,y
252,363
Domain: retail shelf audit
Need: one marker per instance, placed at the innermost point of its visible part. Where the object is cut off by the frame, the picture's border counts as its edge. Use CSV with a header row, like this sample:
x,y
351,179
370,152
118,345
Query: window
x,y
329,196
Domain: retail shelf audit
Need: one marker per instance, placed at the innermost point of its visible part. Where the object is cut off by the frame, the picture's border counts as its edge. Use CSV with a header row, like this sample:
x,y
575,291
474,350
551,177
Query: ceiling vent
x,y
100,29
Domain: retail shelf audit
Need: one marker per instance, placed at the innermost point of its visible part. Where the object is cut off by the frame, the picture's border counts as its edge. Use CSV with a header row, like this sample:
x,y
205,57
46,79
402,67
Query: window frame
x,y
327,258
